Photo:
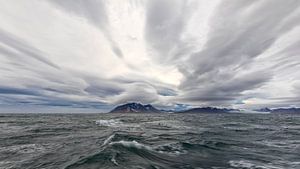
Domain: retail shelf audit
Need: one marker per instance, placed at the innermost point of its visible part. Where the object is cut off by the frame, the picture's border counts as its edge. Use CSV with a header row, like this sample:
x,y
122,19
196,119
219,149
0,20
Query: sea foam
x,y
109,123
132,144
250,165
108,139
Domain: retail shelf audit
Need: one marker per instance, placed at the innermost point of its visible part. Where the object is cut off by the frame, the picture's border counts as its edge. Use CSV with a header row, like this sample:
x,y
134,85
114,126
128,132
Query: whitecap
x,y
292,144
113,160
168,123
173,149
132,144
106,141
109,123
250,165
116,123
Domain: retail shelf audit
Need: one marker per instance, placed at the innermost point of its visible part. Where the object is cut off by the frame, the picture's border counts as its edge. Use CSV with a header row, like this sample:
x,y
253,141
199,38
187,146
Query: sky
x,y
90,55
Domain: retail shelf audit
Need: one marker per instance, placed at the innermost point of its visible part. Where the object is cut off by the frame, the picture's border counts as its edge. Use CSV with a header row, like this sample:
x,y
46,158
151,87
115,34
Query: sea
x,y
149,141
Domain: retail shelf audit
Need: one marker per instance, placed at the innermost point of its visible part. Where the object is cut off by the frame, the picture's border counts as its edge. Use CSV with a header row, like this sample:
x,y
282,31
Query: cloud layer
x,y
93,54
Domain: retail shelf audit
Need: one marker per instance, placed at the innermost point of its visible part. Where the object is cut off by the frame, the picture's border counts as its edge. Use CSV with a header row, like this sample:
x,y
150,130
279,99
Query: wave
x,y
132,144
115,154
109,123
171,124
116,123
144,152
113,160
175,148
250,165
287,144
124,153
24,148
106,141
160,124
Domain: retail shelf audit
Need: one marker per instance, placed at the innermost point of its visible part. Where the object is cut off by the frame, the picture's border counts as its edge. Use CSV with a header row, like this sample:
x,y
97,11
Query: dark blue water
x,y
157,141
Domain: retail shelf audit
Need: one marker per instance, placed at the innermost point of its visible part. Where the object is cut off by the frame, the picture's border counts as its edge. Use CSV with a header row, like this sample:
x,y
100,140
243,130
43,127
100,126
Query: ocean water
x,y
150,141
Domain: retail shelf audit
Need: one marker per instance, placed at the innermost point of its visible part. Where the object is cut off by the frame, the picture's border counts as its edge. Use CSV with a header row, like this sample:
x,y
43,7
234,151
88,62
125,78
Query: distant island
x,y
135,108
148,108
292,110
209,110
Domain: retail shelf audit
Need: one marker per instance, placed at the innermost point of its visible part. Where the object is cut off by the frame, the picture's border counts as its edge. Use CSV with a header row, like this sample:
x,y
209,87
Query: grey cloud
x,y
240,31
103,87
165,23
48,87
40,97
117,51
240,36
15,100
160,88
69,103
102,90
226,90
163,91
131,88
137,92
16,91
292,51
278,102
226,71
93,11
22,47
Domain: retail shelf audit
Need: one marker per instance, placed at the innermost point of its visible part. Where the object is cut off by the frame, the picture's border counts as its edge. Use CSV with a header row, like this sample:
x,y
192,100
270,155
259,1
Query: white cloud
x,y
96,53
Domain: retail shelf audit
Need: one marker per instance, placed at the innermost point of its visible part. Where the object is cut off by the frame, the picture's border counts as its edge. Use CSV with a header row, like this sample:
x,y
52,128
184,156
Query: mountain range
x,y
148,108
292,110
135,108
209,110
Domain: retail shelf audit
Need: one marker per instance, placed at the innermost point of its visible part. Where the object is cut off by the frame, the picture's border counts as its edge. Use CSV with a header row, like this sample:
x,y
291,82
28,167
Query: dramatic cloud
x,y
240,33
92,54
94,12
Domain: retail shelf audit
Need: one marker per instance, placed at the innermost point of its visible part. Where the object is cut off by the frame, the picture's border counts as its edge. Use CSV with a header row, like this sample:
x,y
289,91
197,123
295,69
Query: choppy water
x,y
154,141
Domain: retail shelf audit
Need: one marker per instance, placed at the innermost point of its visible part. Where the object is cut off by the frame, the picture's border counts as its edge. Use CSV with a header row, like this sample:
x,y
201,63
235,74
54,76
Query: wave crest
x,y
109,123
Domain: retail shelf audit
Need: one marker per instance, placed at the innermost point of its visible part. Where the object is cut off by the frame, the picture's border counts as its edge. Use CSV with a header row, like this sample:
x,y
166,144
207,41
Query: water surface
x,y
150,141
